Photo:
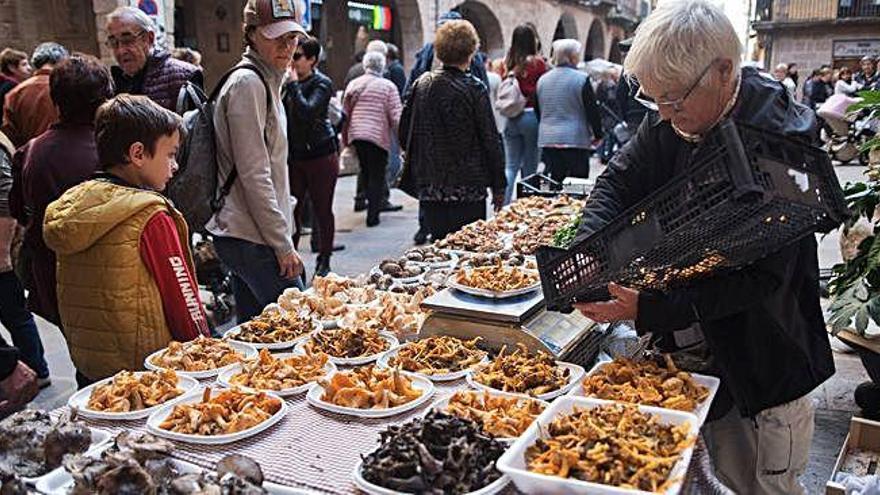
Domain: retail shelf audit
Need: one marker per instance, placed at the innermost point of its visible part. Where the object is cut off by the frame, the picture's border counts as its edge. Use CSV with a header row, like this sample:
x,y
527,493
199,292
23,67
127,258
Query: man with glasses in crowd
x,y
761,327
143,68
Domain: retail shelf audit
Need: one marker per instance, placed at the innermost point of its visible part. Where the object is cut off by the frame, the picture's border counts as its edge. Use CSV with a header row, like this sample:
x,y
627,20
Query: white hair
x,y
680,39
133,15
377,46
565,50
374,62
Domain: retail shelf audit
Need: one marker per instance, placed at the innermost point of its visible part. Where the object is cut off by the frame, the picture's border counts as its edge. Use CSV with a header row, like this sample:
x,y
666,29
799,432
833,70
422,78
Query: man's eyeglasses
x,y
125,40
289,40
676,105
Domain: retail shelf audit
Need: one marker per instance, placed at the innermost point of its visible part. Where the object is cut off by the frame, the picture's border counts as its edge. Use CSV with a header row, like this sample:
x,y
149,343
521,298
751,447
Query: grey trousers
x,y
766,454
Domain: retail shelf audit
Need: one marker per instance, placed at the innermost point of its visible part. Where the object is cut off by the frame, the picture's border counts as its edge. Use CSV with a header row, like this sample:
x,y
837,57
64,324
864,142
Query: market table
x,y
315,451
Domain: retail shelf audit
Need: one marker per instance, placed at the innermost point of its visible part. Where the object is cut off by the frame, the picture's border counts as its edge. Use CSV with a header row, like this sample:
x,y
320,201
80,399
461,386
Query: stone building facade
x,y
812,33
214,26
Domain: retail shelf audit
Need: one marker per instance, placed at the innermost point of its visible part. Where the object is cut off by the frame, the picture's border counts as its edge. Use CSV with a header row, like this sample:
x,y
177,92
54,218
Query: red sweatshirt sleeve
x,y
165,259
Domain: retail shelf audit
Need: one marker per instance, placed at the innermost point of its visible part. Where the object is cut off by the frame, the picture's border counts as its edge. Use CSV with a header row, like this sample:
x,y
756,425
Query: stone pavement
x,y
366,246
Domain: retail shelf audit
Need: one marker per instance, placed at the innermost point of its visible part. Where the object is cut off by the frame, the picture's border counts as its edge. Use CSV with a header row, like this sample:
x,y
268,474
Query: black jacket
x,y
763,323
454,138
309,133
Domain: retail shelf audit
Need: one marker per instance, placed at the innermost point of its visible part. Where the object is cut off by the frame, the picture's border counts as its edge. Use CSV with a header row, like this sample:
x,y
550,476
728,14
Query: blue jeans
x,y
20,324
255,279
394,164
520,148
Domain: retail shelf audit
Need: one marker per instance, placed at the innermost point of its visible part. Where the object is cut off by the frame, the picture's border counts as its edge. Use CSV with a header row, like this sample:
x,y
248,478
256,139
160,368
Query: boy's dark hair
x,y
128,119
78,86
10,58
311,48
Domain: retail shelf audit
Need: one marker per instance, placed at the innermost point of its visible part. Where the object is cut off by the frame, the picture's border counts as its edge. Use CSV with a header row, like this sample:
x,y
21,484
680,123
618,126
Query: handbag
x,y
407,181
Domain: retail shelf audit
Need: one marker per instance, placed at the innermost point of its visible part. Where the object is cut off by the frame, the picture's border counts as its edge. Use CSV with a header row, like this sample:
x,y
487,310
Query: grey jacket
x,y
259,207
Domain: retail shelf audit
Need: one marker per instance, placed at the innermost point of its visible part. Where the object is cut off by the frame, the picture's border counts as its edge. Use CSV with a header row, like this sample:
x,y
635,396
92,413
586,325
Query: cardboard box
x,y
863,434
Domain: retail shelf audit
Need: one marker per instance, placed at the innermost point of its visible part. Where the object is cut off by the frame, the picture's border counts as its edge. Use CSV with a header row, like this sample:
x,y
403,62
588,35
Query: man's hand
x,y
497,201
623,306
17,389
291,265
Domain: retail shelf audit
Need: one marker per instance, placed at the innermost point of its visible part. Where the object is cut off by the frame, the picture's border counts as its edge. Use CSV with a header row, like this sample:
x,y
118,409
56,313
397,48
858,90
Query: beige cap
x,y
274,18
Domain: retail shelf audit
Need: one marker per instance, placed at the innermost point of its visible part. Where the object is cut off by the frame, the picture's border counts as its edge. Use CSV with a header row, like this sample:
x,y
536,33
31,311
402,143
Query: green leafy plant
x,y
855,285
565,236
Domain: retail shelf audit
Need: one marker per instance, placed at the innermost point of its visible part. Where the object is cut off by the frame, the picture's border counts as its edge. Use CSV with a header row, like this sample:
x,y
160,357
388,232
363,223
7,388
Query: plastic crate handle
x,y
739,164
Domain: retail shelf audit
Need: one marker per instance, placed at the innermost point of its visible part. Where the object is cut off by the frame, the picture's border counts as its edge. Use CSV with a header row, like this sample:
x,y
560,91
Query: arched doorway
x,y
408,33
487,25
566,27
614,53
595,45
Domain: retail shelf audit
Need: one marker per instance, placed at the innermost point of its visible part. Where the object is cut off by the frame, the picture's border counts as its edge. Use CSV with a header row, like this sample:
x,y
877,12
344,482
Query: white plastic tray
x,y
225,378
80,400
99,442
575,375
274,346
702,411
59,481
247,350
392,343
513,461
490,489
452,282
440,377
440,405
157,417
419,383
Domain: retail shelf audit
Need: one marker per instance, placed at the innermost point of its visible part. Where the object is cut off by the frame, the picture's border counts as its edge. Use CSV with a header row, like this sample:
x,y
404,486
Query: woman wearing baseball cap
x,y
253,230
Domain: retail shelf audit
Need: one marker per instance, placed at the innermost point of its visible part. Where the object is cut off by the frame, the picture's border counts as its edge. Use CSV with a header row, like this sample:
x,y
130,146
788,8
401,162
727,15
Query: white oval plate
x,y
100,440
274,346
403,280
452,261
490,489
441,404
247,350
157,417
225,378
60,482
419,382
452,282
445,377
80,400
576,373
392,343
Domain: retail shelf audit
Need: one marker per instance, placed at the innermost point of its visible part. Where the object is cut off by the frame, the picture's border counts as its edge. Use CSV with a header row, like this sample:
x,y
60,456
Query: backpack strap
x,y
217,202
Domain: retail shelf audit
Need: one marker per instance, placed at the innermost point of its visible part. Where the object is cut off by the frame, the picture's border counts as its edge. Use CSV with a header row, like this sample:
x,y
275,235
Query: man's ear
x,y
151,38
137,153
725,65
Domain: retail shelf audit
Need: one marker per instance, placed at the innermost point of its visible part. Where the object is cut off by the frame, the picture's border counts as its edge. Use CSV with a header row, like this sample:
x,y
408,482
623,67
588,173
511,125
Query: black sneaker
x,y
388,206
421,237
372,221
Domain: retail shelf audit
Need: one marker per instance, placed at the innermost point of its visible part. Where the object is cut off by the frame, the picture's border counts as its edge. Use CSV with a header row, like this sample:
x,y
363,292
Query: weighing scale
x,y
522,319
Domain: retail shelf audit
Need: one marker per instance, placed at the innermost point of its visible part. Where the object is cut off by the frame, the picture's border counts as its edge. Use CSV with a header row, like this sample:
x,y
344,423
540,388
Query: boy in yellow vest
x,y
126,284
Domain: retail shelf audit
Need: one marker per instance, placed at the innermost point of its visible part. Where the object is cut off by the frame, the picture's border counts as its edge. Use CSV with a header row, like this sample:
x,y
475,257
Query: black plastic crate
x,y
542,185
747,194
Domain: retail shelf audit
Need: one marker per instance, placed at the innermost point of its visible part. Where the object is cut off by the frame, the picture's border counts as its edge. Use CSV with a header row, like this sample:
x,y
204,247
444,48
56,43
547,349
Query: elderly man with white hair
x,y
569,119
762,326
780,73
143,68
373,108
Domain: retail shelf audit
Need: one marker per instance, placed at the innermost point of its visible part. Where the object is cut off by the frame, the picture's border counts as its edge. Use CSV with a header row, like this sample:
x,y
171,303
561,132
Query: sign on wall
x,y
856,48
156,10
